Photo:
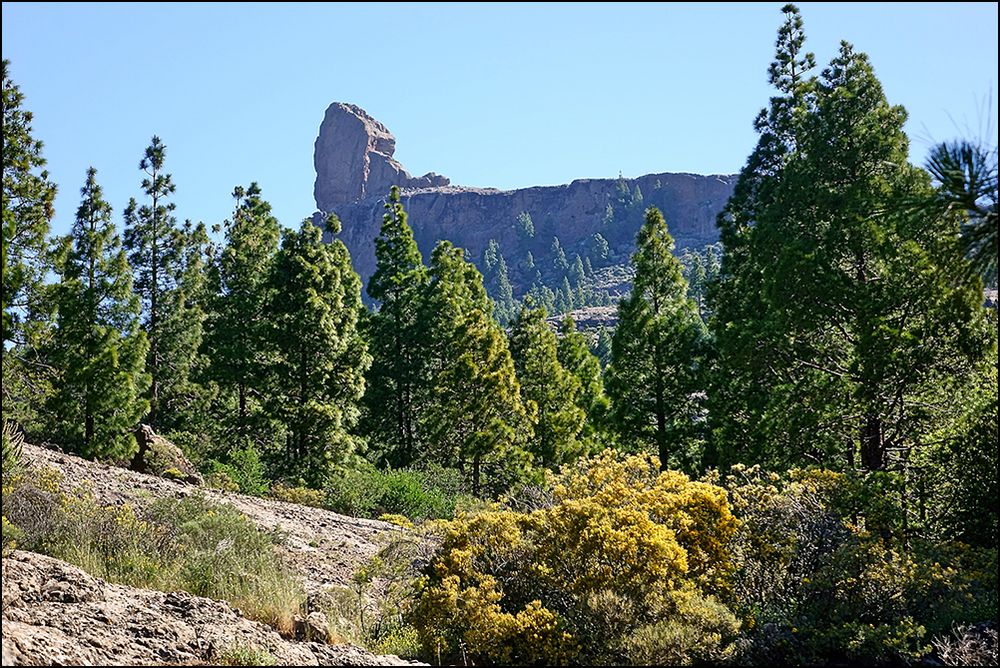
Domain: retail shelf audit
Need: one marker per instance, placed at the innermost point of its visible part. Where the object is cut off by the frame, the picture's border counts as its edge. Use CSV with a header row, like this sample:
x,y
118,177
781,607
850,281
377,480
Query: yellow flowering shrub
x,y
621,567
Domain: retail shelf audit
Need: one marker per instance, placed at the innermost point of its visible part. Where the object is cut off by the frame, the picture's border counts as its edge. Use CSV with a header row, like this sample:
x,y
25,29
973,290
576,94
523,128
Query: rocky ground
x,y
54,613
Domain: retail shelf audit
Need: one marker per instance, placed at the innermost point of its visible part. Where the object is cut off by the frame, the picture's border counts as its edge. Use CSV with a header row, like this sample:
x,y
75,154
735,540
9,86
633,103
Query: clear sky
x,y
488,95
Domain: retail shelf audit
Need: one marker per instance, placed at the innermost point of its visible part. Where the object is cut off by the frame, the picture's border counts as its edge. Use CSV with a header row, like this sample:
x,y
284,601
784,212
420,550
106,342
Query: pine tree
x,y
235,335
183,399
576,272
154,246
654,380
560,266
98,348
27,209
575,357
741,376
474,415
840,310
601,249
498,284
316,376
550,392
602,346
395,380
525,227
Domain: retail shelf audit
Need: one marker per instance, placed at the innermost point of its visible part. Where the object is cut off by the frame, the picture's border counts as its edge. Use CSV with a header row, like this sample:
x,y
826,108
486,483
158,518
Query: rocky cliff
x,y
355,169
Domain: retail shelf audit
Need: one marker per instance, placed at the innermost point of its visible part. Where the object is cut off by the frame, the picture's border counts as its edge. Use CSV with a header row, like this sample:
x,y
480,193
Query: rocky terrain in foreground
x,y
54,613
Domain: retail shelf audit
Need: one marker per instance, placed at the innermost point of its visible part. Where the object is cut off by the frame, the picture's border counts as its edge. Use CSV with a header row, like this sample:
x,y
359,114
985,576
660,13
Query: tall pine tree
x,y
395,380
497,279
576,358
236,337
550,392
316,376
655,379
27,209
474,417
153,242
98,348
841,315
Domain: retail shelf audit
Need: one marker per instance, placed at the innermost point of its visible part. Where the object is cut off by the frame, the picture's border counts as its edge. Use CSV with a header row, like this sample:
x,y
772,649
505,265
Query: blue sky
x,y
488,95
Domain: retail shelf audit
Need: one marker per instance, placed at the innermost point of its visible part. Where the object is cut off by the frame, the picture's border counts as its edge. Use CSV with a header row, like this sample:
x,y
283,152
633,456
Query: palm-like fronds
x,y
966,173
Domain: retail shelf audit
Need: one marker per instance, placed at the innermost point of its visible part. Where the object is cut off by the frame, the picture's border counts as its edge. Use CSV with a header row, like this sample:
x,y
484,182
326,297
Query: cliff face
x,y
355,169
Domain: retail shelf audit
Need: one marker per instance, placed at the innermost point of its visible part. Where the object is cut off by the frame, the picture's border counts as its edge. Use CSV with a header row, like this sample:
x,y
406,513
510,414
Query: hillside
x,y
55,613
355,169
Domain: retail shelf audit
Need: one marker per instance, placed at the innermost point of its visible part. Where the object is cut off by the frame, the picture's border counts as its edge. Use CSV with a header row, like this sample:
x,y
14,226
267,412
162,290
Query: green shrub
x,y
225,556
246,654
827,574
191,544
429,492
303,496
11,534
244,468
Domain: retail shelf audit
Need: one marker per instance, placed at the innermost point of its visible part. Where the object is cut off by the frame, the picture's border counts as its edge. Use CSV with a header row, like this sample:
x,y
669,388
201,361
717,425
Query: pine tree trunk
x,y
475,474
872,446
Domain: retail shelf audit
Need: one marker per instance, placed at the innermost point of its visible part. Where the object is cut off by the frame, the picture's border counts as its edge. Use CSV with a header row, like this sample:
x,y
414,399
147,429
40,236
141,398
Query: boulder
x,y
158,456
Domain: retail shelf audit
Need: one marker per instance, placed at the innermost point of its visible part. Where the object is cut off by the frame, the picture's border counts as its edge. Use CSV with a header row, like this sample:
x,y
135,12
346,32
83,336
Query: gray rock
x,y
92,622
353,159
158,456
355,169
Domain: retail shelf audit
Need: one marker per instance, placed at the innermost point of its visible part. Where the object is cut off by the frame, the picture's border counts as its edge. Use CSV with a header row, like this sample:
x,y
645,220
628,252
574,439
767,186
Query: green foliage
x,y
188,544
97,348
575,356
27,209
550,392
428,492
654,380
957,474
825,572
153,243
246,654
524,226
701,268
624,566
474,413
303,496
497,283
243,471
235,330
839,313
966,174
319,358
395,382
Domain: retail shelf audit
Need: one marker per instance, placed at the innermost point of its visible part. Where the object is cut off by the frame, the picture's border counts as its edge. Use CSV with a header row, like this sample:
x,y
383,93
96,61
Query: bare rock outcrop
x,y
158,456
56,614
353,159
355,169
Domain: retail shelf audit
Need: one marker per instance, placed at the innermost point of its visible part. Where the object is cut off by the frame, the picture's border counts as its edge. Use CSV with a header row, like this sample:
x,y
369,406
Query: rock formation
x,y
55,614
355,169
353,159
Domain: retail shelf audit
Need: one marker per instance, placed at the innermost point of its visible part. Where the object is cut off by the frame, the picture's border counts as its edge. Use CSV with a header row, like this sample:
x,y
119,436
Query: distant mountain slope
x,y
355,169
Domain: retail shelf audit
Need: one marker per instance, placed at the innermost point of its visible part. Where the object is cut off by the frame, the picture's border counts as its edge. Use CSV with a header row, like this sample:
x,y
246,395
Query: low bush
x,y
191,544
827,575
429,492
304,496
625,566
243,467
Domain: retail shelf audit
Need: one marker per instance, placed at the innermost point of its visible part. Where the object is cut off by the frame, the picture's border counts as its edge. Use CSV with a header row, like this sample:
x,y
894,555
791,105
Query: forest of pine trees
x,y
836,338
